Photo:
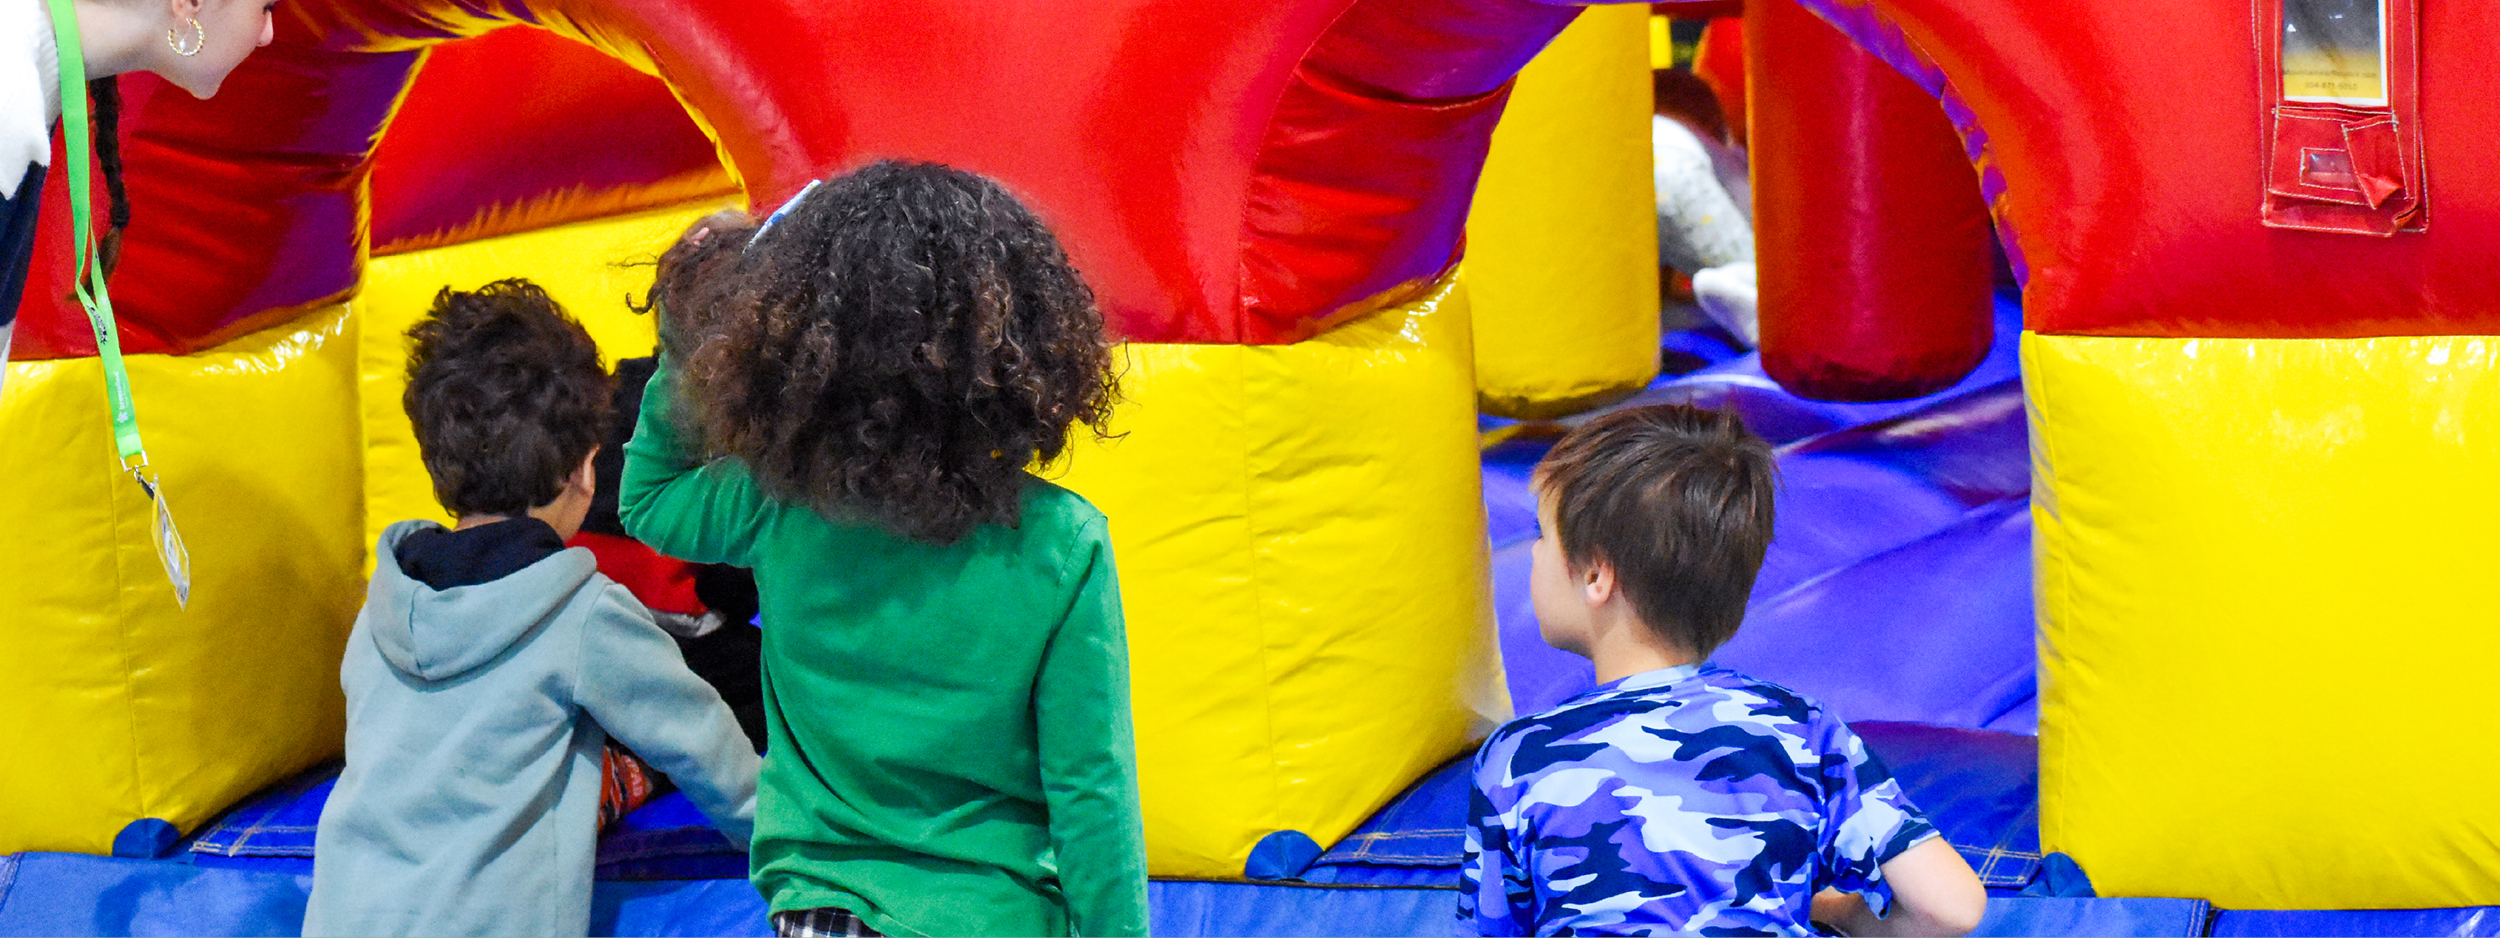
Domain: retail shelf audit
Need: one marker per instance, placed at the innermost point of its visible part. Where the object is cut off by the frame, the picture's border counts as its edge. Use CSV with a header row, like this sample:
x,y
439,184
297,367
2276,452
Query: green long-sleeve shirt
x,y
950,745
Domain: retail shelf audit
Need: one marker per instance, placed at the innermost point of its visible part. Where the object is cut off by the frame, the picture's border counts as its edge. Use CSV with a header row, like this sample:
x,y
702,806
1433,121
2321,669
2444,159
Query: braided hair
x,y
106,93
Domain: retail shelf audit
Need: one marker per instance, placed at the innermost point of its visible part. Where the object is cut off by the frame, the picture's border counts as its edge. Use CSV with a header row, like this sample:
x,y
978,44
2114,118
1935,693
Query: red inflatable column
x,y
1872,239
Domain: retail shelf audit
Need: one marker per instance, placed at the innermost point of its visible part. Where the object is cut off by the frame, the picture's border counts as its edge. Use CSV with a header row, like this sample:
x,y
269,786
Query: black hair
x,y
106,93
506,395
1678,501
898,348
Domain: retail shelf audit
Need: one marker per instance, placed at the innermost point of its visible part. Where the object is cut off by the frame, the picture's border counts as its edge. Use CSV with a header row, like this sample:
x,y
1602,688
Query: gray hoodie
x,y
475,723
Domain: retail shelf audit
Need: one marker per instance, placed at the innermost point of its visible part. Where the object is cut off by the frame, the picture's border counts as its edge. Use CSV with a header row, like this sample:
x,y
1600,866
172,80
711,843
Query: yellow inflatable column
x,y
1300,536
1562,242
2267,616
122,706
590,268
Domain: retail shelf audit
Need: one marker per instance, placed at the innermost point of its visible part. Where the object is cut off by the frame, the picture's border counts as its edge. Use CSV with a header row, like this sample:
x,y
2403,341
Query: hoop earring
x,y
174,39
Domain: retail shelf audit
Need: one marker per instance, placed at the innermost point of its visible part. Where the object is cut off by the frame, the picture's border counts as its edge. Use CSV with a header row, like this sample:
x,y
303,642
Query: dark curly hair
x,y
897,348
507,397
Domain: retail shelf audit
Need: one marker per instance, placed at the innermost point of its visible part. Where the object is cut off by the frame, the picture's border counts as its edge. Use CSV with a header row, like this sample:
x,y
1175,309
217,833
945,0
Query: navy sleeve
x,y
17,240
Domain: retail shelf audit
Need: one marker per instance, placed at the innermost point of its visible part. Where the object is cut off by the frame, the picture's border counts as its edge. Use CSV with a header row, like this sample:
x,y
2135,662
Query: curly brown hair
x,y
896,348
507,397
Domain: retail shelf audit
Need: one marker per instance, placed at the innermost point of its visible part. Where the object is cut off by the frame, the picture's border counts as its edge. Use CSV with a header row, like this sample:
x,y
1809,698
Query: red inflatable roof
x,y
1223,170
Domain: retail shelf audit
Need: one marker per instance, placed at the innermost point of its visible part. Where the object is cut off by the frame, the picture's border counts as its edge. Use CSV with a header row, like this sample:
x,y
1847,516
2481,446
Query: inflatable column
x,y
1562,264
133,718
1871,239
2263,456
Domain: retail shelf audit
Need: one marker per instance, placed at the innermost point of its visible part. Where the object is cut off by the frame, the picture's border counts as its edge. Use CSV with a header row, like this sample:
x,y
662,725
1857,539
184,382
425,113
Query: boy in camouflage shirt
x,y
1678,797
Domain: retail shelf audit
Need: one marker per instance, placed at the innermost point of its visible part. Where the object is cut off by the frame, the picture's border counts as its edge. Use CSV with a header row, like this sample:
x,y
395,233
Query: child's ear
x,y
1597,583
584,477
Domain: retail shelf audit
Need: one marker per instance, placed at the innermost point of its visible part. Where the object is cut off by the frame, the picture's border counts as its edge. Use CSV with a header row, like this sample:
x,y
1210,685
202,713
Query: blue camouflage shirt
x,y
1688,800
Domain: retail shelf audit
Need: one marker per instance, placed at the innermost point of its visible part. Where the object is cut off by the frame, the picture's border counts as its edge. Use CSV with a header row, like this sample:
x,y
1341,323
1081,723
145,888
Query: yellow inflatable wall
x,y
1300,534
1562,244
173,713
2192,737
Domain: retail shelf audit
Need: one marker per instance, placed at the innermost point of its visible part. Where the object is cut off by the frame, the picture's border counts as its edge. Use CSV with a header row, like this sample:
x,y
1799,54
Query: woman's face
x,y
232,29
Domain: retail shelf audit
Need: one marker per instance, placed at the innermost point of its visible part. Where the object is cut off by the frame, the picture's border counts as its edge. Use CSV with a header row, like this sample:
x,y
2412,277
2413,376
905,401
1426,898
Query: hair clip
x,y
775,217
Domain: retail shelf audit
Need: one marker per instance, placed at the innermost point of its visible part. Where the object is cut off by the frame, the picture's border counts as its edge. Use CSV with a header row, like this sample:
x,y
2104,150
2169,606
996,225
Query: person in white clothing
x,y
193,44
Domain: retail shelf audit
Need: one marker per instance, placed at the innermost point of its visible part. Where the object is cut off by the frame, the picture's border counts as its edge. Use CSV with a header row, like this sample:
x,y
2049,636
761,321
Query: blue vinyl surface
x,y
2475,921
1417,840
1188,908
668,839
682,907
2150,918
278,822
1981,789
1783,418
272,831
75,894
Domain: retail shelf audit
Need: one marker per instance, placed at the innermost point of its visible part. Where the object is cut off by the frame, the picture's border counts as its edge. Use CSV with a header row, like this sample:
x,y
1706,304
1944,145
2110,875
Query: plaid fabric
x,y
819,923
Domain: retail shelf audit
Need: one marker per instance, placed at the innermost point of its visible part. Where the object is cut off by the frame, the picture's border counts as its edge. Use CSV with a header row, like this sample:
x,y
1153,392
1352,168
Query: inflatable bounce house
x,y
2136,413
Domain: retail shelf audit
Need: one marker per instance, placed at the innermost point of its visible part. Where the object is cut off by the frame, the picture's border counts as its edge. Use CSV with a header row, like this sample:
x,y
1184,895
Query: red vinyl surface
x,y
1236,171
1222,180
1872,240
244,208
2122,147
1720,63
572,134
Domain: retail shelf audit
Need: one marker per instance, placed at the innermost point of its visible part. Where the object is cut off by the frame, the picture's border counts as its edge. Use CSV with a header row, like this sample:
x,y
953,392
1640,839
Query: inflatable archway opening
x,y
1295,503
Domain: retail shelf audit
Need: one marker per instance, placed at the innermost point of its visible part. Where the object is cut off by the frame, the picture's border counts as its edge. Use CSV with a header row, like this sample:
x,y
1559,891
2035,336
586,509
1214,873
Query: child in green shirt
x,y
846,402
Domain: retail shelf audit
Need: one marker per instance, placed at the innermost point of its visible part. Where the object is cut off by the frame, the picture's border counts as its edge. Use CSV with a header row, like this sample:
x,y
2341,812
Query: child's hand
x,y
728,219
1840,911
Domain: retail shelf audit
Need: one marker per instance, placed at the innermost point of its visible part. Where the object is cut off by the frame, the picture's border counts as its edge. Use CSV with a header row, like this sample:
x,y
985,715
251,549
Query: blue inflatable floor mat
x,y
75,894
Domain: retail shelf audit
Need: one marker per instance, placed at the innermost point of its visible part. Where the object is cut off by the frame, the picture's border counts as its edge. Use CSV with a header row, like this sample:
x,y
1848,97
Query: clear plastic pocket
x,y
170,549
2344,142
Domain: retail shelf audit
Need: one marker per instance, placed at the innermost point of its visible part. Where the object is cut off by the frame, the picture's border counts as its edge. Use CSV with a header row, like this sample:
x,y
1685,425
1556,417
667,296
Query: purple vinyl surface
x,y
1898,583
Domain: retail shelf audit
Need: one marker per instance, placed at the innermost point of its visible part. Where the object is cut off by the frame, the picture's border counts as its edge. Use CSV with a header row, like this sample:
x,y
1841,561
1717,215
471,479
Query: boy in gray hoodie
x,y
491,663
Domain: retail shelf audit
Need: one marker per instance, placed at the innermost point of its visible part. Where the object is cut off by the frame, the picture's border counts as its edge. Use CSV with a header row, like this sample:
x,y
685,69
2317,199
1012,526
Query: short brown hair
x,y
1678,501
507,397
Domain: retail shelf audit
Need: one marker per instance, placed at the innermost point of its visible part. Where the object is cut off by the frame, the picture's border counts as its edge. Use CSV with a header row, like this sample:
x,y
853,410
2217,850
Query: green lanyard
x,y
77,131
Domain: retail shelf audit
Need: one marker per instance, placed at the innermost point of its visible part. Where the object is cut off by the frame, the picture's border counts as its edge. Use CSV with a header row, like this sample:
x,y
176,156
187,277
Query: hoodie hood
x,y
466,626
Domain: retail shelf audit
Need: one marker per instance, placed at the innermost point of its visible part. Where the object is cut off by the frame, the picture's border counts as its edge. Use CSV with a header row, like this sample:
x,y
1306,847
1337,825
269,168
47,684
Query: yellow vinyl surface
x,y
1562,241
120,704
2267,616
1300,537
589,268
1299,531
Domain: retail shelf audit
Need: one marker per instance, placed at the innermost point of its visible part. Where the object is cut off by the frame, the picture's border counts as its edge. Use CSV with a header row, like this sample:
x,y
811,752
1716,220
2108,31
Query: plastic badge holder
x,y
2344,137
169,547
